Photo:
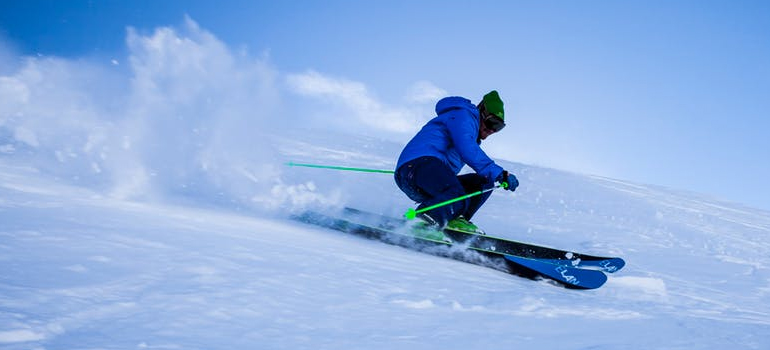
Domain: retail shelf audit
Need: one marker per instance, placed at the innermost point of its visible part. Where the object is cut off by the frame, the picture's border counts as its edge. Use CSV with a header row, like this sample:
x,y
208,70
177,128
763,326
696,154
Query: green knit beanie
x,y
493,104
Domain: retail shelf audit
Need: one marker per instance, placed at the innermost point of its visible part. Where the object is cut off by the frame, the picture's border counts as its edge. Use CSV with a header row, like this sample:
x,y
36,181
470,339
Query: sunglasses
x,y
493,122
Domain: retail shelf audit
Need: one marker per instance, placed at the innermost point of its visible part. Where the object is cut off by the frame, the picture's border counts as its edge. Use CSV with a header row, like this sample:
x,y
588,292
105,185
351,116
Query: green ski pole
x,y
412,213
340,168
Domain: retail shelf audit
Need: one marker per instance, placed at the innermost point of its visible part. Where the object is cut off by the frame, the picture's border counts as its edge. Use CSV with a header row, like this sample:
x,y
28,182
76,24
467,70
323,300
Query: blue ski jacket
x,y
453,137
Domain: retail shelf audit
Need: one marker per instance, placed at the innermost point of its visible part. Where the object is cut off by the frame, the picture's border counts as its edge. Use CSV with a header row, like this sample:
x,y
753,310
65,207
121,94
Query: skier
x,y
428,165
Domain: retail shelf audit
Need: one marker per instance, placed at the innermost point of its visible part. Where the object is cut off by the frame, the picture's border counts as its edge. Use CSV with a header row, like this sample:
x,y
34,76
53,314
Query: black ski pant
x,y
428,181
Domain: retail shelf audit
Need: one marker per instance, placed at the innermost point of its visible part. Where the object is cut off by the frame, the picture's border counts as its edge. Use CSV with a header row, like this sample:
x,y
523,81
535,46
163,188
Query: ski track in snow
x,y
83,270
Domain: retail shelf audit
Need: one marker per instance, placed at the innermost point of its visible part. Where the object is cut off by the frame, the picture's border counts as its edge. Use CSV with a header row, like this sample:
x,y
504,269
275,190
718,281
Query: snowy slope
x,y
82,268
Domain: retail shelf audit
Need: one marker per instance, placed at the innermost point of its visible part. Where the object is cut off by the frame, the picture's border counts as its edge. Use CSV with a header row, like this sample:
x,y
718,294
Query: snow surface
x,y
85,270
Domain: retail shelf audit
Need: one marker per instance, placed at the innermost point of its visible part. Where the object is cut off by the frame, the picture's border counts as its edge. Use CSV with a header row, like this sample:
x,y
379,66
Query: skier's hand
x,y
508,180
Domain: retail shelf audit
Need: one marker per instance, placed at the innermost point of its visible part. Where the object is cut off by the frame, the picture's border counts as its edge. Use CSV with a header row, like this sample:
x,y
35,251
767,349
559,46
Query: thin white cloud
x,y
425,92
356,98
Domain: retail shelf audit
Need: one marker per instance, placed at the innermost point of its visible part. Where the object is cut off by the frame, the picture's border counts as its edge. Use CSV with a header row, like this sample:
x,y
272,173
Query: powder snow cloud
x,y
186,115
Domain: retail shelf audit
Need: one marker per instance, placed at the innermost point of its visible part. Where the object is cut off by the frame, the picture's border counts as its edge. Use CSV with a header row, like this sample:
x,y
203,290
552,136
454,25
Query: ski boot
x,y
463,225
428,228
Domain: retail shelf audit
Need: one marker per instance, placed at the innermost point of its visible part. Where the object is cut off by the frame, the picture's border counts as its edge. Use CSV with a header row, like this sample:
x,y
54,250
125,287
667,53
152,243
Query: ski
x,y
502,245
575,277
434,242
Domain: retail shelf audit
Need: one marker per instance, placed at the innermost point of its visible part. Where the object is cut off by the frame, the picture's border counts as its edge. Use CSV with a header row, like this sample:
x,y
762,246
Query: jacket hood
x,y
455,102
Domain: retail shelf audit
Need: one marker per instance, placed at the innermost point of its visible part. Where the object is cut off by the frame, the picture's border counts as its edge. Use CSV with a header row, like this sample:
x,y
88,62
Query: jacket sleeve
x,y
463,129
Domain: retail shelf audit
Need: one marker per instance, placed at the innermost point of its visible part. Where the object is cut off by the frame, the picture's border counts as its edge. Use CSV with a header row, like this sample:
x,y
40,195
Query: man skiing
x,y
428,165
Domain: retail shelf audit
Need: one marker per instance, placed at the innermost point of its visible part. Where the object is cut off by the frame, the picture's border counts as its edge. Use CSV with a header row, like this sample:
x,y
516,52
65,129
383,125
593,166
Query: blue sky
x,y
673,93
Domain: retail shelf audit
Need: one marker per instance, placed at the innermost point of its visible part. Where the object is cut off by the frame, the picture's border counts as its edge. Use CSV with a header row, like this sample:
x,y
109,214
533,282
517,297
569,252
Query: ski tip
x,y
410,214
612,265
570,277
